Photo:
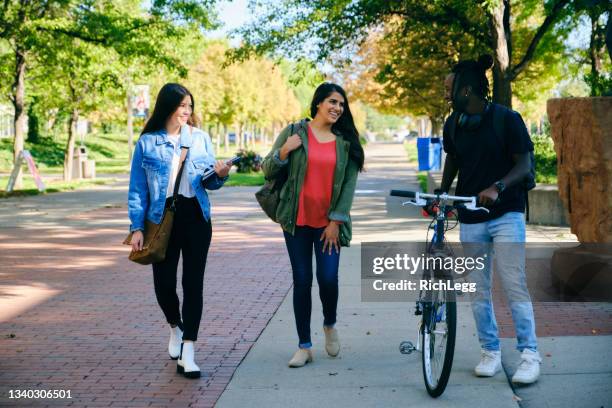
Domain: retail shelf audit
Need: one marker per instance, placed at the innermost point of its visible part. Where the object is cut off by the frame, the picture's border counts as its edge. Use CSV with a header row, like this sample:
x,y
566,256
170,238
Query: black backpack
x,y
499,118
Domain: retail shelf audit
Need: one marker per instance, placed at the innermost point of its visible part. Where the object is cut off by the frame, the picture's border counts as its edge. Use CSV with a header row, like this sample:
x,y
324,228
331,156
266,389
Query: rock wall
x,y
582,131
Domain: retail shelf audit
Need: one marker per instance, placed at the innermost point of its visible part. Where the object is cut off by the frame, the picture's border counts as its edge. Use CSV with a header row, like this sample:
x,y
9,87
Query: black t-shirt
x,y
484,158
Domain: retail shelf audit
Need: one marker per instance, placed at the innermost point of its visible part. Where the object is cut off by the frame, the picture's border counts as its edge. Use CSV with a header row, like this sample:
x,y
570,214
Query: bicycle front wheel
x,y
438,333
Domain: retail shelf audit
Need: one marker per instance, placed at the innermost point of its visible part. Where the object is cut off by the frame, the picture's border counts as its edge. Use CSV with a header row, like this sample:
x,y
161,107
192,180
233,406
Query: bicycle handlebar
x,y
402,193
419,199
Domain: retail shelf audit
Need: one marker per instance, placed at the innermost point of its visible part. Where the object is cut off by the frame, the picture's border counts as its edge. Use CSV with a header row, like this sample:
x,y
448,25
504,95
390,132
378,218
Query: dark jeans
x,y
191,234
300,248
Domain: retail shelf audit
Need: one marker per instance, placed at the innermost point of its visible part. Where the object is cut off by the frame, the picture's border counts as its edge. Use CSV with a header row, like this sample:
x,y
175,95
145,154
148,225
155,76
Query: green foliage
x,y
250,161
422,179
600,83
33,126
418,43
411,151
545,159
380,122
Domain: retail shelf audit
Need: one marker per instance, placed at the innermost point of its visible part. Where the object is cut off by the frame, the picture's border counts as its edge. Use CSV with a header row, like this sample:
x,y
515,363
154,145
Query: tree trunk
x,y
69,152
436,126
596,51
226,141
609,37
274,132
19,105
239,135
253,136
130,125
218,135
502,51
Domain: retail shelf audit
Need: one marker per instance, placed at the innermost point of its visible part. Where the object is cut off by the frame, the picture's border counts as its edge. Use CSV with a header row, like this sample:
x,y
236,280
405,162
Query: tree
x,y
30,26
328,26
599,77
84,76
403,73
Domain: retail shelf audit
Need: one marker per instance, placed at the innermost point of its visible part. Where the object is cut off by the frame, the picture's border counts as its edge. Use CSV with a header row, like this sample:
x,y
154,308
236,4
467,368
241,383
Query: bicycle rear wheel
x,y
438,333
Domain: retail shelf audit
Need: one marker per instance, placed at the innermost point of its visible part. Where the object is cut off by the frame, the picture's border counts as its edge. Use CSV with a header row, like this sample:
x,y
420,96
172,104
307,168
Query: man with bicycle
x,y
492,162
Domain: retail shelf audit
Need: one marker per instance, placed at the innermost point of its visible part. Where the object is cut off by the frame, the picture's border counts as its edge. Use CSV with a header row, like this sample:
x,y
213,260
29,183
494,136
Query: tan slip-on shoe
x,y
300,358
332,344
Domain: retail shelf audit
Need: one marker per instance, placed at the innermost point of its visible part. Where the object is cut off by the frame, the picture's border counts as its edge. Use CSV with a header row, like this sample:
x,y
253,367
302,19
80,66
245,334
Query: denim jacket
x,y
151,167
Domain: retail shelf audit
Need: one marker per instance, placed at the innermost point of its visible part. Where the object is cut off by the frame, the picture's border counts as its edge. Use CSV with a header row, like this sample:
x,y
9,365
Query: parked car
x,y
401,135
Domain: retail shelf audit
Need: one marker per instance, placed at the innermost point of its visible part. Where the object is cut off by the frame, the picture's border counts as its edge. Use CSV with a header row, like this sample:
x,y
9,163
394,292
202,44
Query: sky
x,y
232,15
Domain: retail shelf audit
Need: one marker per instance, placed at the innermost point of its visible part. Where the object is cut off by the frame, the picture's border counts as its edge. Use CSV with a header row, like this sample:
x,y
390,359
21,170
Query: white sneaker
x,y
174,345
528,370
186,364
490,363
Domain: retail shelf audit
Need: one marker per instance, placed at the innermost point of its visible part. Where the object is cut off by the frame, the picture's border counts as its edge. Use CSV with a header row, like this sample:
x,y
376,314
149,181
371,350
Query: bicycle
x,y
438,308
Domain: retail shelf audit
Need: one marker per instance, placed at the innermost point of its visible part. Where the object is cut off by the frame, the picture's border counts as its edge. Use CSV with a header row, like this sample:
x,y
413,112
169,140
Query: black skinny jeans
x,y
191,235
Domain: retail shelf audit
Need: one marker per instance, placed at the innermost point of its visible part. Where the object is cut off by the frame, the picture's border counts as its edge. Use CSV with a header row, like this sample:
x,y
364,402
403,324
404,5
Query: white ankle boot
x,y
174,345
490,363
332,343
186,364
301,358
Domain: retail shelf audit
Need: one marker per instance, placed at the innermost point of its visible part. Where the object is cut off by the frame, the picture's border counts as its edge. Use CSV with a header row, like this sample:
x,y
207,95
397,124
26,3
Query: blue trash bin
x,y
436,146
428,149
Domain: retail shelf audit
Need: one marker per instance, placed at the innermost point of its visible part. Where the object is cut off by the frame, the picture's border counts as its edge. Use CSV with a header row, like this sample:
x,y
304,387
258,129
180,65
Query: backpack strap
x,y
452,128
499,122
499,117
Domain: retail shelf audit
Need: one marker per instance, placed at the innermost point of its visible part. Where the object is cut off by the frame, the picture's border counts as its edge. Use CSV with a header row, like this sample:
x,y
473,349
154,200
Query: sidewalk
x,y
76,315
370,371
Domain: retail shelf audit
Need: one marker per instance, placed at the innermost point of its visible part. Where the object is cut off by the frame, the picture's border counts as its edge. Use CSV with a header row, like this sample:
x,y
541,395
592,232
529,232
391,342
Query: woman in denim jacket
x,y
155,167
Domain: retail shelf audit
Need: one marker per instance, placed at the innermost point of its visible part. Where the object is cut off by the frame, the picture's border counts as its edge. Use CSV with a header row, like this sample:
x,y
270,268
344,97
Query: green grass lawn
x,y
110,151
55,186
245,179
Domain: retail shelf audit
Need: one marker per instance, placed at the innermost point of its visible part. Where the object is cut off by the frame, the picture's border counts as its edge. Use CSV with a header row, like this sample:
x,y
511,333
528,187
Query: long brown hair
x,y
345,125
168,100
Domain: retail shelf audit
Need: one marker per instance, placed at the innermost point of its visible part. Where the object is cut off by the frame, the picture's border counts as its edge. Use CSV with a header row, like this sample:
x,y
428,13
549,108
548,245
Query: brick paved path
x,y
101,334
98,331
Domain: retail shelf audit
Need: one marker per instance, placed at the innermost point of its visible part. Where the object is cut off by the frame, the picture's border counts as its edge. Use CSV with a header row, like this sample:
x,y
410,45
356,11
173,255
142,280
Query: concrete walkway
x,y
370,371
76,315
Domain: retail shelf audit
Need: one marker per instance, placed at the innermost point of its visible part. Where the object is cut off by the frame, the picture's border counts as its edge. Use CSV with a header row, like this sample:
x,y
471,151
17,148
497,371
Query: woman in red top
x,y
332,124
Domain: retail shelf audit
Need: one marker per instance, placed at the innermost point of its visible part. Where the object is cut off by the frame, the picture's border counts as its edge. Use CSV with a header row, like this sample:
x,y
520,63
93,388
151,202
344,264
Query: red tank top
x,y
315,196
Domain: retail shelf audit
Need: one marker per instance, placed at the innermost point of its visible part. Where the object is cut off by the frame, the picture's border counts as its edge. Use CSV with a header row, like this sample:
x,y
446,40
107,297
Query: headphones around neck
x,y
472,122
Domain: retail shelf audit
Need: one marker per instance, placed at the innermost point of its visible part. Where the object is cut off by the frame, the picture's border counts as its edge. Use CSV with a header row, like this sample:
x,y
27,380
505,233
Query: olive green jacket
x,y
343,190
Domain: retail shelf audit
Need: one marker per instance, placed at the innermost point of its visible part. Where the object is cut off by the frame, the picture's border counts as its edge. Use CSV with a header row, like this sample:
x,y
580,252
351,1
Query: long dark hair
x,y
473,73
345,125
168,100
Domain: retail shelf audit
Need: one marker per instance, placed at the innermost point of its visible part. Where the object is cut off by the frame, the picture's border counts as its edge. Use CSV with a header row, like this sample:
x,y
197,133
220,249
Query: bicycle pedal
x,y
406,347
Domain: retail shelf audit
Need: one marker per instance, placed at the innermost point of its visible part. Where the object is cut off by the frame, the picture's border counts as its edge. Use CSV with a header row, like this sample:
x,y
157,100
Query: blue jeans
x,y
510,264
300,248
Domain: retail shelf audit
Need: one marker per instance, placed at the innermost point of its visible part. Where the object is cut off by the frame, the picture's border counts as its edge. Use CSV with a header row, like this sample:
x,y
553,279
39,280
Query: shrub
x,y
545,159
249,162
